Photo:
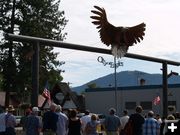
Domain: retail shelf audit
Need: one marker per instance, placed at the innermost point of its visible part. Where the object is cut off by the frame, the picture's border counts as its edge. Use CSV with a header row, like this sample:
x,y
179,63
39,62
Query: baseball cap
x,y
35,109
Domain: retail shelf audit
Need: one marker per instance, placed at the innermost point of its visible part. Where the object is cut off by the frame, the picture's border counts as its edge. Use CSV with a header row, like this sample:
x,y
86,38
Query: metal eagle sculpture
x,y
120,38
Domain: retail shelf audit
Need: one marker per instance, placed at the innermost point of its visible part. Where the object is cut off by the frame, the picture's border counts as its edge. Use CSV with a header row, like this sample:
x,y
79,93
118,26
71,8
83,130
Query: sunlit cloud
x,y
161,39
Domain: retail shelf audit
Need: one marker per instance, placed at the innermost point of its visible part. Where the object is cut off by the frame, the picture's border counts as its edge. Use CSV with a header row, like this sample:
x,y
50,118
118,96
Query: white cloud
x,y
161,39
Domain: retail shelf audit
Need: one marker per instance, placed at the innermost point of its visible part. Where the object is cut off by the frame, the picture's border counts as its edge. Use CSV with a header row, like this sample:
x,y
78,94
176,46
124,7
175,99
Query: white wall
x,y
99,100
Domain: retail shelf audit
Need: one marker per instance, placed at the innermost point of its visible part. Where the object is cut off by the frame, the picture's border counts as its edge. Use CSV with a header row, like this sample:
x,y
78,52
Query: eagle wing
x,y
134,34
107,31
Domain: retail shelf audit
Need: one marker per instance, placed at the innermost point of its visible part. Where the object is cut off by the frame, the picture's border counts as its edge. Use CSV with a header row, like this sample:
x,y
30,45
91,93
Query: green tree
x,y
39,18
7,19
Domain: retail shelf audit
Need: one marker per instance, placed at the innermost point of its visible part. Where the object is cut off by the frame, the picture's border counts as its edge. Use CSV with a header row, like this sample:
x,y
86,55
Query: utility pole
x,y
114,65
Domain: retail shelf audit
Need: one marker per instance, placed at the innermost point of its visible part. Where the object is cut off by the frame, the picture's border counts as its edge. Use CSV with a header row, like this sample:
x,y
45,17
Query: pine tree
x,y
38,18
7,19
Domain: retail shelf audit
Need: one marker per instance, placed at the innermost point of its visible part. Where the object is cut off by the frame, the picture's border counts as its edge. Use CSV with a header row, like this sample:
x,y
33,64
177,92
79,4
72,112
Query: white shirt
x,y
62,124
159,120
85,119
2,122
124,120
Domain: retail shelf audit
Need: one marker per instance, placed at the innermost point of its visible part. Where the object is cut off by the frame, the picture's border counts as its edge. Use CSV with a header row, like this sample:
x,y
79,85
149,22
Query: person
x,y
74,123
2,122
151,125
62,123
50,119
32,124
23,120
10,121
84,120
170,117
124,119
137,120
177,115
91,126
158,118
112,123
162,125
166,130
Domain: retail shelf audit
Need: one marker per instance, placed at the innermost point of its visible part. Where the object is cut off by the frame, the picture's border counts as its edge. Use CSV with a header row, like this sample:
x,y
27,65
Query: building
x,y
99,100
19,105
13,99
60,94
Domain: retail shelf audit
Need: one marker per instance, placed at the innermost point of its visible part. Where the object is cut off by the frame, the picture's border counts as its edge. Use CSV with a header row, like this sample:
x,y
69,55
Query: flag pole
x,y
115,82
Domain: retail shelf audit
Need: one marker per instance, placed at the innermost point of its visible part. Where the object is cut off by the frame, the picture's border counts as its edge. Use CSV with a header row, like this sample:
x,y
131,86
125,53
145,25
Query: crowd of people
x,y
55,122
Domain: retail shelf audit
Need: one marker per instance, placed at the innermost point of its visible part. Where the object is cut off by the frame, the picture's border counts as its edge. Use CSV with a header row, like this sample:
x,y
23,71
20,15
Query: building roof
x,y
71,99
144,87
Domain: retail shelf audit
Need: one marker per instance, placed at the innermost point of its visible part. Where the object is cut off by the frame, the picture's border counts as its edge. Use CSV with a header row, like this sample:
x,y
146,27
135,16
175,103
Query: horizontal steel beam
x,y
55,43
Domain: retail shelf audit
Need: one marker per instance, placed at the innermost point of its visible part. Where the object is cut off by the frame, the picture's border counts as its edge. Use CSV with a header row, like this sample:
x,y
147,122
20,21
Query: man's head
x,y
53,107
125,112
28,111
112,111
73,113
150,114
10,109
157,116
87,112
94,117
58,108
35,110
139,109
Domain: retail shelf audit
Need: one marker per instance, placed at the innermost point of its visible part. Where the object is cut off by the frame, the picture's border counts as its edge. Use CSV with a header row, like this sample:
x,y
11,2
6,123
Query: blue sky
x,y
162,20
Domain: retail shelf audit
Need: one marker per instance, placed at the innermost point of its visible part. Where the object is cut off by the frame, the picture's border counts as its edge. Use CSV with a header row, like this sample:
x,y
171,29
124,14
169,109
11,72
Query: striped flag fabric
x,y
156,100
46,93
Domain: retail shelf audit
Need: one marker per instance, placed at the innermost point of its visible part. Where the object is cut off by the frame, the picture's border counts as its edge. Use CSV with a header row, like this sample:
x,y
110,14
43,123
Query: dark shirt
x,y
50,121
162,127
23,122
10,120
74,127
32,125
138,121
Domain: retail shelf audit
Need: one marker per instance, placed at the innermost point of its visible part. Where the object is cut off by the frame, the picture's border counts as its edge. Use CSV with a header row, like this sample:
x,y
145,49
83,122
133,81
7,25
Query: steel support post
x,y
165,90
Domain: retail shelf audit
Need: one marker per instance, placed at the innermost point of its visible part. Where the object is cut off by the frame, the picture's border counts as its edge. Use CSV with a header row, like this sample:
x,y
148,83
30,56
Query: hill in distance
x,y
127,78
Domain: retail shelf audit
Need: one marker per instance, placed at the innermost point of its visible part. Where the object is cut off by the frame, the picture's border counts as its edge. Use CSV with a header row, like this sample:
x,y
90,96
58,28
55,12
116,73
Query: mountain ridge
x,y
127,78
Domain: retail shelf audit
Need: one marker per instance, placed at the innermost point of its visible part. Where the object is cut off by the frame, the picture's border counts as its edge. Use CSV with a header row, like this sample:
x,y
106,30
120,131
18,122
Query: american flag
x,y
156,100
46,93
